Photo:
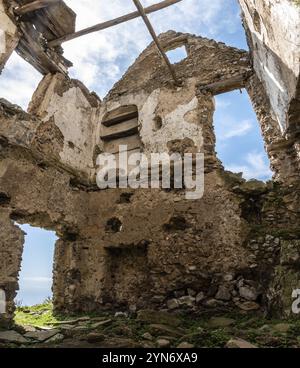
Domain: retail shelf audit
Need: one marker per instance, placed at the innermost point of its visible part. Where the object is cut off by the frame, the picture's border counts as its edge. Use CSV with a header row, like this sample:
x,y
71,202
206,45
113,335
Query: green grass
x,y
38,315
42,315
196,330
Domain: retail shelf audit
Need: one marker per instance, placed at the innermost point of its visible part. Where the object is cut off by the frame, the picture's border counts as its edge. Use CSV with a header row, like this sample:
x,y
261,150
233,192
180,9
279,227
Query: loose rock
x,y
162,343
12,337
239,344
185,345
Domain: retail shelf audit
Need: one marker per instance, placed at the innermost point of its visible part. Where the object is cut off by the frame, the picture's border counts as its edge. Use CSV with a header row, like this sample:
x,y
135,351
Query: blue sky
x,y
36,273
101,59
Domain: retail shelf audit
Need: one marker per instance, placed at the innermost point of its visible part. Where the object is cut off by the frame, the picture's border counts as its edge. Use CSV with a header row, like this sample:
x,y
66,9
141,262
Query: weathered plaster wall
x,y
8,36
178,120
68,105
273,29
283,152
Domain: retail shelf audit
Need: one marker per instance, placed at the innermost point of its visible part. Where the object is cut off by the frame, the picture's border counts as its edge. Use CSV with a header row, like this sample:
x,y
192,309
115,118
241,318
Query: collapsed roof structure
x,y
44,25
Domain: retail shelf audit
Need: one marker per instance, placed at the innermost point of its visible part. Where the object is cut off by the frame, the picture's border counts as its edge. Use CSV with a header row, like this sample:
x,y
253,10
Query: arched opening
x,y
35,278
239,144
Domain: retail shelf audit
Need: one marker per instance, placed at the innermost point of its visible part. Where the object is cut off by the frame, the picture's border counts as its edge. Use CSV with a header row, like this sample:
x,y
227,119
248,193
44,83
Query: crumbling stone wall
x,y
12,239
8,36
57,101
273,30
184,112
283,152
123,248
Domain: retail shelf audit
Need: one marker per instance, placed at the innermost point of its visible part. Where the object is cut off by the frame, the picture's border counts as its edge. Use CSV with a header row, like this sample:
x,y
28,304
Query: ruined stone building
x,y
237,247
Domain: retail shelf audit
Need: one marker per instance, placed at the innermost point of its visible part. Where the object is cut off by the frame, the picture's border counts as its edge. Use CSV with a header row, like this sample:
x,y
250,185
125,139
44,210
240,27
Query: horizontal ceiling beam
x,y
226,85
33,6
112,23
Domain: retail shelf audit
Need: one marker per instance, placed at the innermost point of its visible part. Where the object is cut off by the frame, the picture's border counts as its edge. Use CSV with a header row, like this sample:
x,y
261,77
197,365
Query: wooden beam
x,y
112,23
226,85
30,49
33,6
141,10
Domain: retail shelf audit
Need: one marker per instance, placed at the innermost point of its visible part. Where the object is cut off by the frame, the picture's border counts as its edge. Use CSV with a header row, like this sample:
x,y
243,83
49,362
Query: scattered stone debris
x,y
12,337
41,336
191,331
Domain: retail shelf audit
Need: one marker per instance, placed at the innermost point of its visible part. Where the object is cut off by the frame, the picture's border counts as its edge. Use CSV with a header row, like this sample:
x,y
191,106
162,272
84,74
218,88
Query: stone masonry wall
x,y
57,101
142,248
8,36
11,248
273,30
282,151
184,112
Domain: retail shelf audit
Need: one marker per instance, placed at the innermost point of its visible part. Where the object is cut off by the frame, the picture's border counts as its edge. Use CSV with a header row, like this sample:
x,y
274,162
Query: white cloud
x,y
37,279
222,103
228,127
41,284
255,167
239,130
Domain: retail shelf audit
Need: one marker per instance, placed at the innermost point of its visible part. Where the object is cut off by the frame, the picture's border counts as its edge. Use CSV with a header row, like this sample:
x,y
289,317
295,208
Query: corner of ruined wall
x,y
26,133
282,151
273,35
273,30
59,128
74,111
11,247
278,243
9,37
